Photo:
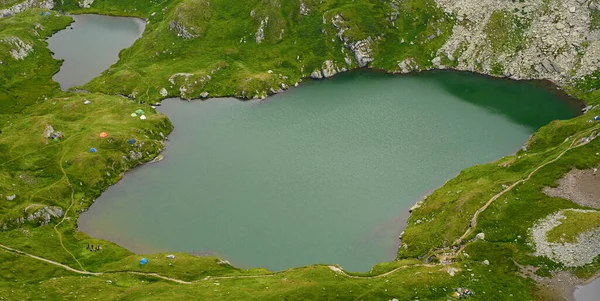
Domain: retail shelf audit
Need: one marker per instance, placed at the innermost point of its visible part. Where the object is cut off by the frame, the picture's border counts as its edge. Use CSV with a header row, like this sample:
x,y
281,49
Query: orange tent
x,y
103,135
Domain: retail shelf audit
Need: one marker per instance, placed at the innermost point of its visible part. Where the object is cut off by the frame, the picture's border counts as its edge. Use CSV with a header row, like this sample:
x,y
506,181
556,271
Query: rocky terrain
x,y
575,254
19,50
552,40
27,4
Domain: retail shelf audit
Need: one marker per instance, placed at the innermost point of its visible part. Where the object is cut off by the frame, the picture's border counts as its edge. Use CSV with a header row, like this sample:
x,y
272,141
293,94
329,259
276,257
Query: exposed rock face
x,y
19,49
316,74
408,65
362,49
575,254
304,10
181,30
329,69
48,131
556,40
44,216
163,92
260,33
86,3
21,7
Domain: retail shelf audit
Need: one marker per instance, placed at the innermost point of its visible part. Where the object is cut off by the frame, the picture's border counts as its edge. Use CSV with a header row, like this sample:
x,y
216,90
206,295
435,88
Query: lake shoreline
x,y
356,76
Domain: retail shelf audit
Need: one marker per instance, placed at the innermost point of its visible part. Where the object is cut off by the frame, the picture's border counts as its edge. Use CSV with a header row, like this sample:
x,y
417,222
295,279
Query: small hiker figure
x,y
88,247
98,247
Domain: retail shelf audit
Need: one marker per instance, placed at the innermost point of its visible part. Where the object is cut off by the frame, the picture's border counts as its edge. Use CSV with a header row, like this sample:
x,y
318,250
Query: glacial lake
x,y
322,173
91,45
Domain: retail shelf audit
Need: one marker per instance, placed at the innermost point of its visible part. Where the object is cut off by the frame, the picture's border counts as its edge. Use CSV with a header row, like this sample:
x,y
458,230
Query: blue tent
x,y
131,141
93,150
47,13
42,13
143,261
597,118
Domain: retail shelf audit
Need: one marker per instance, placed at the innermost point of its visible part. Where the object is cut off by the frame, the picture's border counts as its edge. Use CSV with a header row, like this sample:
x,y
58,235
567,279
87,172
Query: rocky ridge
x,y
558,43
25,5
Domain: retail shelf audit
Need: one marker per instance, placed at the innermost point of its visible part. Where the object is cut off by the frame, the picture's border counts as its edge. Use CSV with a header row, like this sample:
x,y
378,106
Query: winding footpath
x,y
574,144
66,212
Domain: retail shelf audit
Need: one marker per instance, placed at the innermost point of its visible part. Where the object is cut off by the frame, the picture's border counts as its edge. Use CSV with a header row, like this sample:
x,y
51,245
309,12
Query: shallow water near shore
x,y
323,173
91,45
588,292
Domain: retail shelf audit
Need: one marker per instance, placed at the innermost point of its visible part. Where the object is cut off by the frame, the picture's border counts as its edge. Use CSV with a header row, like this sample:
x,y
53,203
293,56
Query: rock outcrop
x,y
329,69
408,65
19,49
27,4
180,30
362,49
304,9
44,215
86,3
544,39
260,33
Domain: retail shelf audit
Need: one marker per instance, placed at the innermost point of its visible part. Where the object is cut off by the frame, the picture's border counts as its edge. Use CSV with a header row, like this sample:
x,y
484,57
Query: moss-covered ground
x,y
224,59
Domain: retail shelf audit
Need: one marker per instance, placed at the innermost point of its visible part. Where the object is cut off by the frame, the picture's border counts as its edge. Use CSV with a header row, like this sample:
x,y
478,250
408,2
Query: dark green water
x,y
324,173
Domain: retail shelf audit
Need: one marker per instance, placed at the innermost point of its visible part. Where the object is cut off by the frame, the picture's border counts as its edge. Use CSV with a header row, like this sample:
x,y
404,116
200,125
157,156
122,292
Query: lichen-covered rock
x,y
408,65
523,39
19,49
304,9
362,49
48,131
44,215
86,3
329,69
181,30
191,18
25,5
260,33
316,74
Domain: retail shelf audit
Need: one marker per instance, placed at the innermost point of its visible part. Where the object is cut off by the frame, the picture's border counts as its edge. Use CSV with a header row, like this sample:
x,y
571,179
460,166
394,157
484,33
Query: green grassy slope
x,y
223,57
28,80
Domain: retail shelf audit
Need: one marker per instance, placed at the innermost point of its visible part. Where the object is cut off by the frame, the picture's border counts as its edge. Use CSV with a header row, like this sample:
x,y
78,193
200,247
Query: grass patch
x,y
505,32
594,19
575,224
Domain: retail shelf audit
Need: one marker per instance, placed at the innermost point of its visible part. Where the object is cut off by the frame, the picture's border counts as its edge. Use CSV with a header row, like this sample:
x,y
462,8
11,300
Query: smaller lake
x,y
588,292
91,45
